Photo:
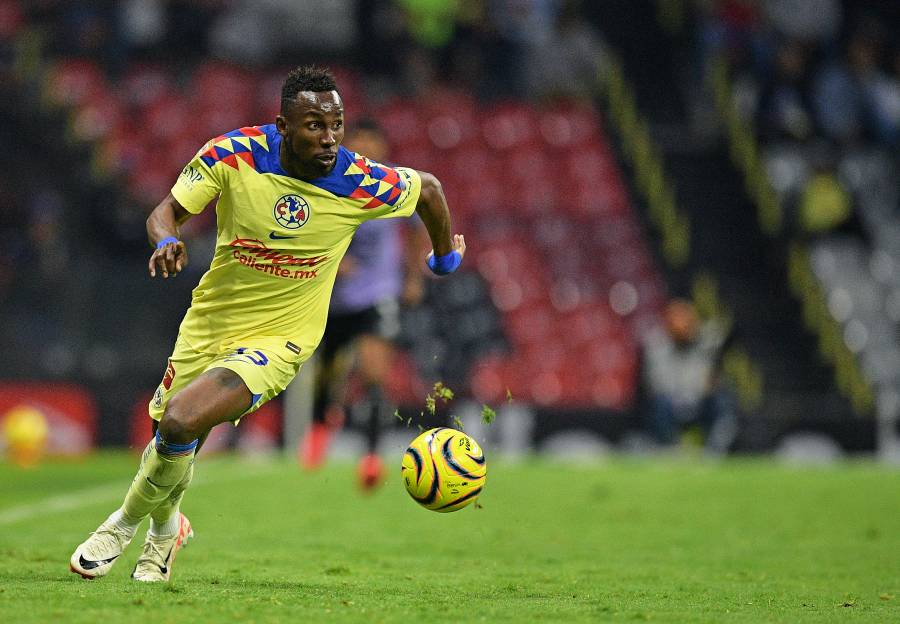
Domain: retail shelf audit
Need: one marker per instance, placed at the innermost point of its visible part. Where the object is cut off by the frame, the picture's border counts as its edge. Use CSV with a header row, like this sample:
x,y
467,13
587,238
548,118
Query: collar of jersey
x,y
334,182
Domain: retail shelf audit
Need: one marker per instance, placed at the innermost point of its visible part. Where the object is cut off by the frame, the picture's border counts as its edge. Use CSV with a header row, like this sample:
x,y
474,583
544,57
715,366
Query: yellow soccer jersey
x,y
280,239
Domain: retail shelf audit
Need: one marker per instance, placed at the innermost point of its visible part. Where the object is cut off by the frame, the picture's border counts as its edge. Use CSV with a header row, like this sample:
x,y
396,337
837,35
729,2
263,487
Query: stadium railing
x,y
745,154
673,226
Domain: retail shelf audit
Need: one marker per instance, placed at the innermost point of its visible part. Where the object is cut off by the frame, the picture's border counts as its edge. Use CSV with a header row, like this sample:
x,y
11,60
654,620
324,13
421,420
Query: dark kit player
x,y
379,273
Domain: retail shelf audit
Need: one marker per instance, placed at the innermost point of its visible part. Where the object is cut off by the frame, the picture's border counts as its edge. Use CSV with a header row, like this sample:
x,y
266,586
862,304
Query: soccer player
x,y
376,275
290,200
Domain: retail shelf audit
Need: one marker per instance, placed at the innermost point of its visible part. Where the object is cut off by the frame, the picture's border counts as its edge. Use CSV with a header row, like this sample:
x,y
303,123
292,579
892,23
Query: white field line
x,y
111,492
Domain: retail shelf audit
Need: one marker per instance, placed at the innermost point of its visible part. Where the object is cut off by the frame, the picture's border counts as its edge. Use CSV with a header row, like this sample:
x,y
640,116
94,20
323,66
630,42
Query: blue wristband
x,y
166,241
442,265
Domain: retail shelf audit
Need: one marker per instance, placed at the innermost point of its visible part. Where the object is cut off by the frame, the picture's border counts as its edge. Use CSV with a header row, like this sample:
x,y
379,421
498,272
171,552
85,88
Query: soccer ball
x,y
443,469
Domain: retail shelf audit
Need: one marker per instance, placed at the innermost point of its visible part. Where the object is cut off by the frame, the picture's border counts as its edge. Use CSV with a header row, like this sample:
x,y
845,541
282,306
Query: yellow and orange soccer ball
x,y
444,469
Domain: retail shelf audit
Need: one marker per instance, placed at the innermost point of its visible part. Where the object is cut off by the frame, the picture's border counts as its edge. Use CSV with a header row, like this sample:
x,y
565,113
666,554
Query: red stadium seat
x,y
169,118
217,84
212,121
178,152
415,156
98,117
12,20
474,164
508,126
568,124
151,183
267,101
405,385
144,84
403,125
529,325
73,82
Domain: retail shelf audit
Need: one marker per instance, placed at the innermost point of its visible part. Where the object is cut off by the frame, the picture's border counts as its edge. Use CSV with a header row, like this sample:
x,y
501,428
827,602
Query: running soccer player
x,y
290,200
376,275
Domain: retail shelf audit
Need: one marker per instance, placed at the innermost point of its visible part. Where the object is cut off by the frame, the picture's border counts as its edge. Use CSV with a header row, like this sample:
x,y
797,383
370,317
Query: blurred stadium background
x,y
600,157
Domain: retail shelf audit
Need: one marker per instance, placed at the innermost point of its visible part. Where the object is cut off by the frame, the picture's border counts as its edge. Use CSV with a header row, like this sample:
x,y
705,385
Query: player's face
x,y
312,129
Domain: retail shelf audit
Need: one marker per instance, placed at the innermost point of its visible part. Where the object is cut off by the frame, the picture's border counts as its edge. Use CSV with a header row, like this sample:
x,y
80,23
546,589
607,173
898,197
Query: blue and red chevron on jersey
x,y
353,176
249,144
358,177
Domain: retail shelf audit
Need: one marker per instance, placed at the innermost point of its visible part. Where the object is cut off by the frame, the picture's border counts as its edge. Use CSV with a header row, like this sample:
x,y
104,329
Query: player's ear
x,y
280,124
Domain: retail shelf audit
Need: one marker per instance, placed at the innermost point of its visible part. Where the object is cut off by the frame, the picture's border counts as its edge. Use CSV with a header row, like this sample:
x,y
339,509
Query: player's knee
x,y
374,360
179,424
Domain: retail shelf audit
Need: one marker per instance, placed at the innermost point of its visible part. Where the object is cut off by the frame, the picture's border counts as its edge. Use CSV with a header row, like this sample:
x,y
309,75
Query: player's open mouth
x,y
326,158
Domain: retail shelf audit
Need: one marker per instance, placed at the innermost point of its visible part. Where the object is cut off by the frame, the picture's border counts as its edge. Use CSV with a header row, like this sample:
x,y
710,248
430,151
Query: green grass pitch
x,y
659,540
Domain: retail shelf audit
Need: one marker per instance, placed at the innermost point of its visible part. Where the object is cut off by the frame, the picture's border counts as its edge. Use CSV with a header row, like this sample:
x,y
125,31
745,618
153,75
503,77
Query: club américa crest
x,y
291,211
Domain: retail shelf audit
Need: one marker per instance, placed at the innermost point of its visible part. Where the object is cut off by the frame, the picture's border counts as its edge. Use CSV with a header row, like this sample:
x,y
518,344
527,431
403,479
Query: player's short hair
x,y
306,78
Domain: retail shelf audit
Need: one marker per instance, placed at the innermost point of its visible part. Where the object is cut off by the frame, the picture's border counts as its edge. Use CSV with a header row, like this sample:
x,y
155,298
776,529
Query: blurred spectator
x,y
431,22
809,21
733,29
381,26
884,93
142,23
841,89
806,86
12,21
46,234
567,64
521,26
785,106
824,204
681,379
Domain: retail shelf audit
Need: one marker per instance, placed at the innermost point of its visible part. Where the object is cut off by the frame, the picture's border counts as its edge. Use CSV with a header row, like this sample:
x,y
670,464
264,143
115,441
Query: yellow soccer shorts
x,y
266,365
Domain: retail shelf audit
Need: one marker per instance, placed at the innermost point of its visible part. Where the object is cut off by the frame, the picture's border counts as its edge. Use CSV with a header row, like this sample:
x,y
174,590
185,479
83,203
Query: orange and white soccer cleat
x,y
155,563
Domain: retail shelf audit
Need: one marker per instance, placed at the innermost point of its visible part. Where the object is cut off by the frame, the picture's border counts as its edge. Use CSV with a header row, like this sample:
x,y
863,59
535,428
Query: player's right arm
x,y
170,254
197,185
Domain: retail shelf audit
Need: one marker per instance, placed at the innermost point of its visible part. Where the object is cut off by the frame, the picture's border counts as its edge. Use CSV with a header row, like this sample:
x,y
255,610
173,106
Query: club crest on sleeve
x,y
291,211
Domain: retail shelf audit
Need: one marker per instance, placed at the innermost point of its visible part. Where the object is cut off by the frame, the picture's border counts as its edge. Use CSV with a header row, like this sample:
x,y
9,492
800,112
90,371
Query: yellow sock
x,y
161,518
163,468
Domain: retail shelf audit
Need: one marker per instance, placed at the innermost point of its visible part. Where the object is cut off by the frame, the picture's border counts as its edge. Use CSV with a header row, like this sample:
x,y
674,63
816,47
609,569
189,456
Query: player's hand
x,y
169,259
448,263
459,244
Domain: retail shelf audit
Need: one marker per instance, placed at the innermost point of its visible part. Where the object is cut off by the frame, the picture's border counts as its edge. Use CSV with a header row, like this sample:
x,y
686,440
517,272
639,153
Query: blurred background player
x,y
378,273
682,382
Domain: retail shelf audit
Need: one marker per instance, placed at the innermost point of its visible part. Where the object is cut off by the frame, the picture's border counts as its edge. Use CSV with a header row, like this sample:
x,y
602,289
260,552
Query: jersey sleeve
x,y
198,184
405,203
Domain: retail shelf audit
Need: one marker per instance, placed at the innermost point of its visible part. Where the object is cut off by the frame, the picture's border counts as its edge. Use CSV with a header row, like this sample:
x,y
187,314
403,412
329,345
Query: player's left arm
x,y
447,252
